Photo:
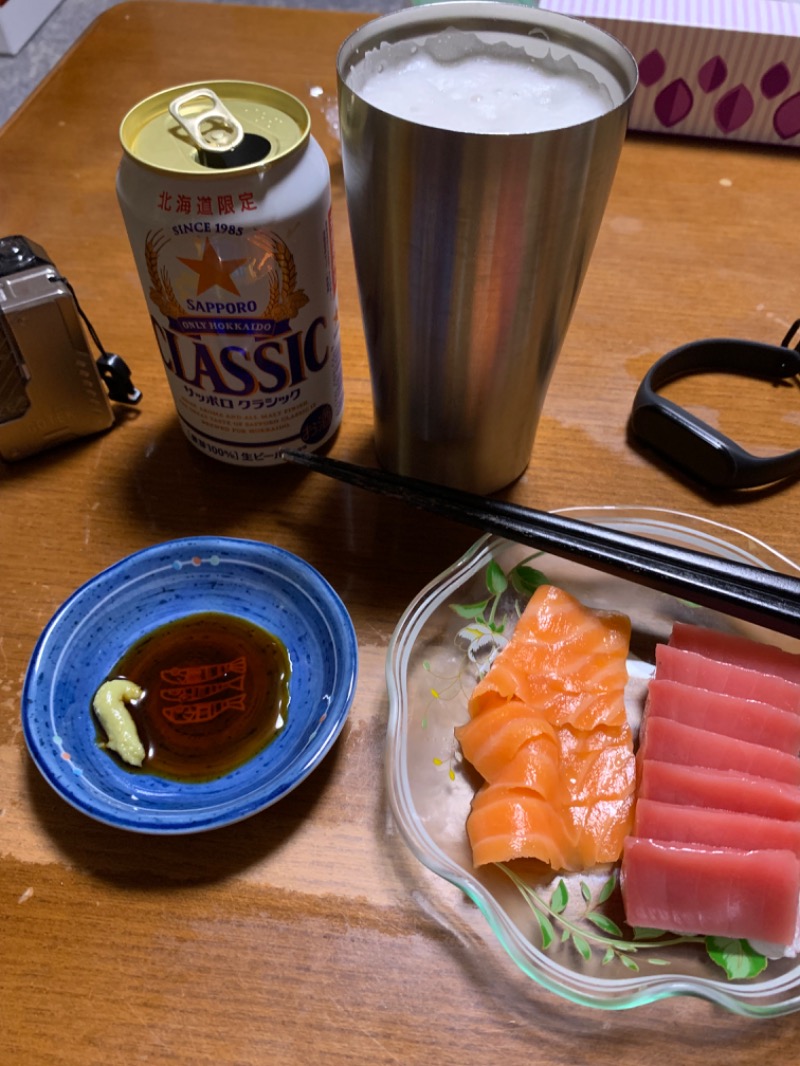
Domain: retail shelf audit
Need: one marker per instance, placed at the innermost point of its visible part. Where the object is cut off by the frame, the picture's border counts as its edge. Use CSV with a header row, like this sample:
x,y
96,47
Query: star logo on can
x,y
212,270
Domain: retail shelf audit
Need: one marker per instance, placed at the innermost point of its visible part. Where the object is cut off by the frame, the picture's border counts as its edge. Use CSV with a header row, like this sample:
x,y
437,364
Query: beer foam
x,y
461,81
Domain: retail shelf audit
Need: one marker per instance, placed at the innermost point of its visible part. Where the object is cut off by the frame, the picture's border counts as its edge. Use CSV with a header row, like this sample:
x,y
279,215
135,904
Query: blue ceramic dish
x,y
93,629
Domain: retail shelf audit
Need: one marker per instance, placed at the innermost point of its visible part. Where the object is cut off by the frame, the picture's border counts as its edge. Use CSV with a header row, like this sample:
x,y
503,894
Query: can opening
x,y
253,148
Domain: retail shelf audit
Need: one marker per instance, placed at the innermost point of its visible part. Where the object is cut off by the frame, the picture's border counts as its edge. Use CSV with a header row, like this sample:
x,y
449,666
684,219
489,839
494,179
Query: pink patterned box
x,y
707,68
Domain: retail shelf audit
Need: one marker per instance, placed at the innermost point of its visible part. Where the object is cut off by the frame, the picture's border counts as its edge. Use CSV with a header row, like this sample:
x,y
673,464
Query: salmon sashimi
x,y
564,794
728,892
603,826
508,822
583,710
571,657
717,712
675,823
737,650
689,667
536,766
669,741
492,740
596,766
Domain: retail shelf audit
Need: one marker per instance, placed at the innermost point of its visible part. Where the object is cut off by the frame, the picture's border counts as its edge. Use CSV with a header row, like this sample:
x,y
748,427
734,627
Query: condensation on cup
x,y
479,145
227,203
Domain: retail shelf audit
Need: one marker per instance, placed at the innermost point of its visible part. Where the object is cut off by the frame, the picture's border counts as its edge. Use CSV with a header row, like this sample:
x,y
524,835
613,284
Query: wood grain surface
x,y
309,933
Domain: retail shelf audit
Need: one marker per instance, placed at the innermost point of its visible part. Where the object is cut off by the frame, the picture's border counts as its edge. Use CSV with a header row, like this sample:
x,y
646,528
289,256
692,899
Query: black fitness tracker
x,y
691,444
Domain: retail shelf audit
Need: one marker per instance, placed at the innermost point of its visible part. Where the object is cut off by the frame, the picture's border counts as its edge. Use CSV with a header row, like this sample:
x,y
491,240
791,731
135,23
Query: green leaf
x,y
629,962
736,957
608,888
586,892
496,580
526,580
604,923
642,932
582,946
470,610
560,898
608,957
546,928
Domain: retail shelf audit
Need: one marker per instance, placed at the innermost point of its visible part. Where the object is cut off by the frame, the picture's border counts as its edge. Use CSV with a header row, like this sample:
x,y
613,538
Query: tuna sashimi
x,y
720,892
715,848
675,823
727,790
565,666
732,716
696,670
670,741
737,650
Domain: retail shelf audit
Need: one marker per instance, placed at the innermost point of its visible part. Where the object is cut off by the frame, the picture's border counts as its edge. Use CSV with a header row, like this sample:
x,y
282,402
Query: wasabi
x,y
115,718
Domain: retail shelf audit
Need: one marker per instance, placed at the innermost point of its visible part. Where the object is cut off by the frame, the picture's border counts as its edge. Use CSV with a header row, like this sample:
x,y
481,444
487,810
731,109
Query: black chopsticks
x,y
762,597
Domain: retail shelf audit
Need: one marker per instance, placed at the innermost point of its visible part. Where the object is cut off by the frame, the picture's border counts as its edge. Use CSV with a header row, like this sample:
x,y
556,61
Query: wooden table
x,y
309,933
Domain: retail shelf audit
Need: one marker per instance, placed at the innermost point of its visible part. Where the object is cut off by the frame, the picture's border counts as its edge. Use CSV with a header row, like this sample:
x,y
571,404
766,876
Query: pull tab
x,y
213,129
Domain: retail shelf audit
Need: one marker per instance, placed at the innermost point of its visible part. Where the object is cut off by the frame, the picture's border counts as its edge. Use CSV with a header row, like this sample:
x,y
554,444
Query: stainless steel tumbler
x,y
470,250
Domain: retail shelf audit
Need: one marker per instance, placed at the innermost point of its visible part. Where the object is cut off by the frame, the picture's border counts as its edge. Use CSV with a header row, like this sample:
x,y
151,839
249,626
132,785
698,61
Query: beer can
x,y
227,204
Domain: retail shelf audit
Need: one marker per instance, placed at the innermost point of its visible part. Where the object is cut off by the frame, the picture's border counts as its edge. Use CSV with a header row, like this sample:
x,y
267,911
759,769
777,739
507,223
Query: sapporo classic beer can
x,y
226,199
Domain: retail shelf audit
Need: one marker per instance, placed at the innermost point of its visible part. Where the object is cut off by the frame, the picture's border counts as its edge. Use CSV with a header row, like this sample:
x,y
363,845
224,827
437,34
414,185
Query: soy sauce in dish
x,y
216,692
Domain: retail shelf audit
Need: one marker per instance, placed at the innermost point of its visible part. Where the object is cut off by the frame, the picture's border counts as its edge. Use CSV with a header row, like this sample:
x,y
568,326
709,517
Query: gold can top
x,y
214,127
